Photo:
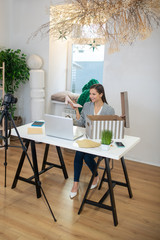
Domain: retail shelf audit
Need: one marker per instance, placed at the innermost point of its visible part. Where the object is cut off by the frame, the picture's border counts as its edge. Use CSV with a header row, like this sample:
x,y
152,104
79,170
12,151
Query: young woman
x,y
97,106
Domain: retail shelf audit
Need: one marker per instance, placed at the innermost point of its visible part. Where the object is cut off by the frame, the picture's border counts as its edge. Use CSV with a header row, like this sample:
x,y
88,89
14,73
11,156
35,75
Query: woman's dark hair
x,y
100,89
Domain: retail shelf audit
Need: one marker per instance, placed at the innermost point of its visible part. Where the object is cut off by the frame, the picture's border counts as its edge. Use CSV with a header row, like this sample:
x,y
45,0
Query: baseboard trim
x,y
139,161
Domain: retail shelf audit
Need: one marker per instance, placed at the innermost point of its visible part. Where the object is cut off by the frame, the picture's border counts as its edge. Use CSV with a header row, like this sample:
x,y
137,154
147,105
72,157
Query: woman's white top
x,y
98,111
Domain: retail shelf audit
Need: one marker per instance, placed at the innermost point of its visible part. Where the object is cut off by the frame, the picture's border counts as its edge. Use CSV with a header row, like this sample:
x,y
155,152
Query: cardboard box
x,y
95,124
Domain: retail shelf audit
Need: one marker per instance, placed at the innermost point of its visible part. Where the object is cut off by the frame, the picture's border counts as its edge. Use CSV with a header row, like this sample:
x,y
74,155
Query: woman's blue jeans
x,y
78,163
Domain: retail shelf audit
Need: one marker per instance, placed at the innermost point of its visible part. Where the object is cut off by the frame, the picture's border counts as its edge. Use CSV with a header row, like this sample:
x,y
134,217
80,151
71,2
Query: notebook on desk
x,y
62,127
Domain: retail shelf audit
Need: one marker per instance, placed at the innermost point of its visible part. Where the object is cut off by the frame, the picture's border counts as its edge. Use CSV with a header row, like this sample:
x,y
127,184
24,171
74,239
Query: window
x,y
86,63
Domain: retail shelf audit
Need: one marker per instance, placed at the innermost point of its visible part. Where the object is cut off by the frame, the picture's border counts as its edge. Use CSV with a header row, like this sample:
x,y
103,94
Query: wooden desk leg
x,y
113,205
126,177
45,156
35,166
20,165
62,162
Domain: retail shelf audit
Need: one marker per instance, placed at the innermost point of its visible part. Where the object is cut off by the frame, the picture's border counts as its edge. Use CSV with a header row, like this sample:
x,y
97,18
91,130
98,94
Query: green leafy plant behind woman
x,y
16,69
106,137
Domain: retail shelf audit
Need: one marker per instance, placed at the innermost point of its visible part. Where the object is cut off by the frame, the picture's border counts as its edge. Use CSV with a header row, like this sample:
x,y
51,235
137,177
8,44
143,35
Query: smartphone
x,y
119,144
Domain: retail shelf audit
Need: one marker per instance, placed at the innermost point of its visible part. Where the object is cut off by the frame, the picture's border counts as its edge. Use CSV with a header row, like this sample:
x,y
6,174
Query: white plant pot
x,y
105,147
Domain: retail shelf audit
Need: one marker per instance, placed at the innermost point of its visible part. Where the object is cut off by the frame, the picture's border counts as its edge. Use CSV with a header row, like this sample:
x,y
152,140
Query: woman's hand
x,y
72,106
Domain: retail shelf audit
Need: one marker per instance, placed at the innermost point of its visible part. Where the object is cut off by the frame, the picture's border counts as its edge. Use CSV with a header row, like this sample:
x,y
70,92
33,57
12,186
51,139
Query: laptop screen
x,y
60,127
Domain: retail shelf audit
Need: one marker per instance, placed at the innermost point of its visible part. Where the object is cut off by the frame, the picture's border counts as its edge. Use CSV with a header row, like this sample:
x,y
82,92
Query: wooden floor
x,y
24,217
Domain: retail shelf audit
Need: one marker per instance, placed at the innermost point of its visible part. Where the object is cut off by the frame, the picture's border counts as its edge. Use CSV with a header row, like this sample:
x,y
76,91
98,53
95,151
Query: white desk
x,y
115,152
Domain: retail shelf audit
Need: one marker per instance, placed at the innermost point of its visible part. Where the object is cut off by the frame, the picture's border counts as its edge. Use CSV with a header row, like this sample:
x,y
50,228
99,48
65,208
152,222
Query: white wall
x,y
136,69
26,17
4,23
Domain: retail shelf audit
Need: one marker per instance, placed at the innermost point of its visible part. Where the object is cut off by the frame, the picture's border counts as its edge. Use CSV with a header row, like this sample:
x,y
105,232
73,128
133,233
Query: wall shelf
x,y
63,109
57,102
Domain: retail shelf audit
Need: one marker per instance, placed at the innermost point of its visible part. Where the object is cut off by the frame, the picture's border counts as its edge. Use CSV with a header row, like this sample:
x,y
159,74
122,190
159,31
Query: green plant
x,y
106,137
84,97
16,69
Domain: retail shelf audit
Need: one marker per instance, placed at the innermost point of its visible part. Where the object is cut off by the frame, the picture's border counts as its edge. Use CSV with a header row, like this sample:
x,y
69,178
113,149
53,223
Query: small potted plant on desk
x,y
106,139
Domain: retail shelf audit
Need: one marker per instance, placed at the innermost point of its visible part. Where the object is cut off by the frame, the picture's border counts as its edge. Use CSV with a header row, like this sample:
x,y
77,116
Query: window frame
x,y
69,65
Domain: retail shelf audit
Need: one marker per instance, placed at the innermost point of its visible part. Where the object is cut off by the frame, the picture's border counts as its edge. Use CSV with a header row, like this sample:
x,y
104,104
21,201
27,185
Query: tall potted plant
x,y
16,70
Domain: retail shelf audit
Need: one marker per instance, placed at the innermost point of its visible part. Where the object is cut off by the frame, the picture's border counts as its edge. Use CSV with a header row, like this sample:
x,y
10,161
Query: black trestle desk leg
x,y
102,179
35,166
62,162
20,165
89,185
113,205
45,156
126,177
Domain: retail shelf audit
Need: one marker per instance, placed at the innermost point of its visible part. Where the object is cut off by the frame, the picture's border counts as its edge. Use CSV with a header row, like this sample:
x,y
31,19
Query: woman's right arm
x,y
77,114
77,111
80,118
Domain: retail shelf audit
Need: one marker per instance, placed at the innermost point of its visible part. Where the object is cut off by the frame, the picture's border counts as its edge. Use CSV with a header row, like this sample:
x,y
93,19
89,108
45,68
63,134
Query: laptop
x,y
62,127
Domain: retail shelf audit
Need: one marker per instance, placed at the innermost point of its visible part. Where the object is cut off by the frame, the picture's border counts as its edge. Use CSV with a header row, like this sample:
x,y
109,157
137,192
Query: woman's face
x,y
95,96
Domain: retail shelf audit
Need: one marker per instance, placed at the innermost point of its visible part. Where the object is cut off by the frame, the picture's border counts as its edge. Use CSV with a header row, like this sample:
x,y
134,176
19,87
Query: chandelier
x,y
116,22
